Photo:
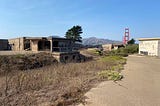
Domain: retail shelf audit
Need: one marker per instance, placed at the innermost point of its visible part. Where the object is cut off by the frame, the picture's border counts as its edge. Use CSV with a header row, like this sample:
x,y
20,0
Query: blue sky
x,y
98,18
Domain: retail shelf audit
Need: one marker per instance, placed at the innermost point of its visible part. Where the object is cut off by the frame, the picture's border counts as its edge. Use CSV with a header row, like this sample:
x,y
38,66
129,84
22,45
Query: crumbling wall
x,y
69,57
17,44
34,45
107,47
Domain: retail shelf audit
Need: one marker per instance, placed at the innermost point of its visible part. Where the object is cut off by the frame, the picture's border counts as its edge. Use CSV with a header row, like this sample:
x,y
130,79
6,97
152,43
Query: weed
x,y
110,75
114,59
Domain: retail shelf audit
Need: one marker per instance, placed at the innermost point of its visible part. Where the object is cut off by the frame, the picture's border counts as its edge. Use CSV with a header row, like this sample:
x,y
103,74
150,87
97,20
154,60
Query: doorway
x,y
44,45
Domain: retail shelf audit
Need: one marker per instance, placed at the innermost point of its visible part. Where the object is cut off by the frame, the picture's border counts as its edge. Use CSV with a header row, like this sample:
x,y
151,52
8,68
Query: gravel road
x,y
140,86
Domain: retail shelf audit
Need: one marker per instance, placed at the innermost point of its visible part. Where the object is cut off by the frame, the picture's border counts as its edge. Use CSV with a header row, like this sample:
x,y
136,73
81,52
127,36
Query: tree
x,y
132,41
74,33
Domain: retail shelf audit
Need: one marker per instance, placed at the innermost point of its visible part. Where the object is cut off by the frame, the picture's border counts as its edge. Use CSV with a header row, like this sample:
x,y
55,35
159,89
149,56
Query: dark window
x,y
144,52
66,58
74,57
27,45
44,45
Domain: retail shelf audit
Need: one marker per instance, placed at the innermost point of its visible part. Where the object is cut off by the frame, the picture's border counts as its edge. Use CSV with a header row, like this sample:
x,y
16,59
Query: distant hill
x,y
98,41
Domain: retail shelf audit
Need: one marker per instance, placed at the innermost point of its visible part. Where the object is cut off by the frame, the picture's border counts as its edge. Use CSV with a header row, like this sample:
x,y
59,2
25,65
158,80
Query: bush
x,y
26,62
114,59
110,75
129,49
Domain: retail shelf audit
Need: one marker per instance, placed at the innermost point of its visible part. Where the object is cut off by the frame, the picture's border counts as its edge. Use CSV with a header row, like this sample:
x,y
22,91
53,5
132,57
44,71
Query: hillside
x,y
98,41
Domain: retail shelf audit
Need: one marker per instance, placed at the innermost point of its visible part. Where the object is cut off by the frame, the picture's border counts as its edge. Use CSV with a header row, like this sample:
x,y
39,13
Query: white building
x,y
149,46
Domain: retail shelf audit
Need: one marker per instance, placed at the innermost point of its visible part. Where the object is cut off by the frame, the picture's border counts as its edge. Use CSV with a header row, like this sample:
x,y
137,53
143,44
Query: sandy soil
x,y
140,87
15,52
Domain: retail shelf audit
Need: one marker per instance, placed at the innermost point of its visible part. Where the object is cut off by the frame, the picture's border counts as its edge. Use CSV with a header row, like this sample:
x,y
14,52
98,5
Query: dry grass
x,y
56,85
25,61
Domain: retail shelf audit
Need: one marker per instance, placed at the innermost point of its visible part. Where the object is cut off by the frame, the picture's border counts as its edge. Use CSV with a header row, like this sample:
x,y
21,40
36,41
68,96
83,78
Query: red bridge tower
x,y
126,36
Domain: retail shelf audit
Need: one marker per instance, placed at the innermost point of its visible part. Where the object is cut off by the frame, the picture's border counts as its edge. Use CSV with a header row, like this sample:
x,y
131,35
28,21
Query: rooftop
x,y
40,38
146,39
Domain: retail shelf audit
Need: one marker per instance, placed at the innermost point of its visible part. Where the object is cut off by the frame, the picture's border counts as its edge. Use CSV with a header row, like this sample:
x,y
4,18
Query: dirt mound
x,y
25,62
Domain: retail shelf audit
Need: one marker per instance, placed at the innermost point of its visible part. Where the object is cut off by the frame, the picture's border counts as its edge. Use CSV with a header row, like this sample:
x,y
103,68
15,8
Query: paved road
x,y
140,87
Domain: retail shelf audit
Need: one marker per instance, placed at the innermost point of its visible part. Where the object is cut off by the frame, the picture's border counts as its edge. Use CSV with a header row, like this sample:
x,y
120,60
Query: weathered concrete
x,y
140,87
67,57
149,46
107,47
34,45
17,44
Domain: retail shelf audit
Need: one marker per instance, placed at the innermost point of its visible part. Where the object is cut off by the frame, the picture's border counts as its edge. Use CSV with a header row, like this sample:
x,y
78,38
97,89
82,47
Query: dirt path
x,y
140,87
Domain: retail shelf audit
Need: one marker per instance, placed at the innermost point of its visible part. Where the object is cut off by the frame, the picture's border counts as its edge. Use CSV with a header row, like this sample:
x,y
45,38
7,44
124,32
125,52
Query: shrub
x,y
110,75
114,59
113,73
129,49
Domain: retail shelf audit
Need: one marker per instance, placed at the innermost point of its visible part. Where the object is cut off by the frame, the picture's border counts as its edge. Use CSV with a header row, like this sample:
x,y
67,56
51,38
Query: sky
x,y
98,18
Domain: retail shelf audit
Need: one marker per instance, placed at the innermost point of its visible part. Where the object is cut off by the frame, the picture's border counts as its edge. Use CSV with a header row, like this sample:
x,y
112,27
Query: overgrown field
x,y
25,62
57,84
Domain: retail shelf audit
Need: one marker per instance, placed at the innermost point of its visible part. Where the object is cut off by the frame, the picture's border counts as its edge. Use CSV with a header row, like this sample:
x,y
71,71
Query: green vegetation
x,y
132,41
114,59
110,75
129,49
74,33
113,73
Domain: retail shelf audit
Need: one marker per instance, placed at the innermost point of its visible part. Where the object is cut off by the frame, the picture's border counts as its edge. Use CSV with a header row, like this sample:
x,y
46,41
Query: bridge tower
x,y
126,36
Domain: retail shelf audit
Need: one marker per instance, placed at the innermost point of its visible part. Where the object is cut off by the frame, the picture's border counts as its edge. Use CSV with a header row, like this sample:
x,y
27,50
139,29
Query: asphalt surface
x,y
140,86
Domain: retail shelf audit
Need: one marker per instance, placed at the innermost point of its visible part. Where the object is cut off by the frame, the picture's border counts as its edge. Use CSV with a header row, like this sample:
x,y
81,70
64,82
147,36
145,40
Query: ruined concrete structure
x,y
149,46
38,43
109,47
3,44
63,49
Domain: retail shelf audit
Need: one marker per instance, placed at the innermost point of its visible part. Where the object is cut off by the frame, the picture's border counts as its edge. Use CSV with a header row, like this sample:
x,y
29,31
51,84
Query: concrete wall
x,y
158,48
107,47
17,44
34,45
67,57
150,47
3,44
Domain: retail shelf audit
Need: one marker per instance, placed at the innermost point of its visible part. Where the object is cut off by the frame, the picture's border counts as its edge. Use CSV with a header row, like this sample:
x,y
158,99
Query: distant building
x,y
3,44
149,46
117,46
109,47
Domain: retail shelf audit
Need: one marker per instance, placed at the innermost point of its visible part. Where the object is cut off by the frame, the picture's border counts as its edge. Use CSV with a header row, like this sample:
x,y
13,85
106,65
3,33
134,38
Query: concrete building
x,y
149,46
63,49
109,47
3,44
117,46
41,44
